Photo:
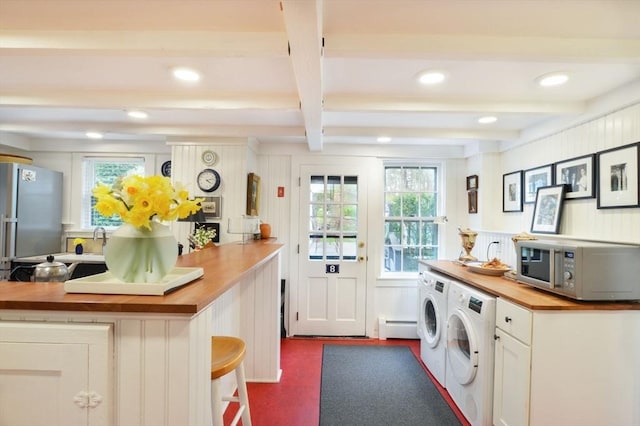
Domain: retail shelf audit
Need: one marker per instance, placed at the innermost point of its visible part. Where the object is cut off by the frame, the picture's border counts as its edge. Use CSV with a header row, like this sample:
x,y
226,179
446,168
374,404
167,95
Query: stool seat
x,y
227,355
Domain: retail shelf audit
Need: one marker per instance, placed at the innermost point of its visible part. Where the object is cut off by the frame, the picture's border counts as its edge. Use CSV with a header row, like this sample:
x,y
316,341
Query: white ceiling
x,y
67,67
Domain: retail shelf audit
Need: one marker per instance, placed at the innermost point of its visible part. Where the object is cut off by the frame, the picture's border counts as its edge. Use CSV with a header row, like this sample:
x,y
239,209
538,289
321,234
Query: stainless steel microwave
x,y
580,270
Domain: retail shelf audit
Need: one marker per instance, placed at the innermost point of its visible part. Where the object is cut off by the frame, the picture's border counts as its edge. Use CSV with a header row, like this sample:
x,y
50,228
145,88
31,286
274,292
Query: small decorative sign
x,y
331,269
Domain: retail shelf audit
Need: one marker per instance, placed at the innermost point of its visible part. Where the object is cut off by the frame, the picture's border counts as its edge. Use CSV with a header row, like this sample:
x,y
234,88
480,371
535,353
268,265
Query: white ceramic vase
x,y
140,255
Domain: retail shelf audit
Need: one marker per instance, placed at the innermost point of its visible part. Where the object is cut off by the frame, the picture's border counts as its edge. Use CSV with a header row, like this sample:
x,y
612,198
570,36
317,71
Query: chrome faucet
x,y
104,236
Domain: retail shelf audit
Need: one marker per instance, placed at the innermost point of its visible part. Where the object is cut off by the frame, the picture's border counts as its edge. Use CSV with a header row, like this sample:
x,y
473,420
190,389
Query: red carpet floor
x,y
295,401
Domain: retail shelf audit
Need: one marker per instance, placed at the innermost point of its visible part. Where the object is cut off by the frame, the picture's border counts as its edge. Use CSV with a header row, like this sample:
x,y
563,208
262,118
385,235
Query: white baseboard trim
x,y
390,329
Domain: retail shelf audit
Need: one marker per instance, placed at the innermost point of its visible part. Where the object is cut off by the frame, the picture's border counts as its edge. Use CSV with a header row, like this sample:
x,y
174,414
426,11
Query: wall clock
x,y
166,169
209,157
208,180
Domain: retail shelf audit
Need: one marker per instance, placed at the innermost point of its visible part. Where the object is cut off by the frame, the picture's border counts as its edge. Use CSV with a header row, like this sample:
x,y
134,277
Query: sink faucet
x,y
104,236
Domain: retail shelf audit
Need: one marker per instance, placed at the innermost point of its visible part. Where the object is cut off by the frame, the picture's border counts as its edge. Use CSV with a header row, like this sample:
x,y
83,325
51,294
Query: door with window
x,y
332,251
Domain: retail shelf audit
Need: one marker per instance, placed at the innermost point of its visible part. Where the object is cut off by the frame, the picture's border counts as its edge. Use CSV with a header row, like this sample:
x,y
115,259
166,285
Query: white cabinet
x,y
512,374
55,374
566,367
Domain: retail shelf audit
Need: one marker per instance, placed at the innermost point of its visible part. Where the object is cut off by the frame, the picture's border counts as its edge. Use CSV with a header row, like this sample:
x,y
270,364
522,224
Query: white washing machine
x,y
470,351
432,322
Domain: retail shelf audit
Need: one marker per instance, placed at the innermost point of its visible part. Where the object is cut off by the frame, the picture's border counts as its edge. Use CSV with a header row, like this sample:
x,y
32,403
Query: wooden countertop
x,y
522,294
223,267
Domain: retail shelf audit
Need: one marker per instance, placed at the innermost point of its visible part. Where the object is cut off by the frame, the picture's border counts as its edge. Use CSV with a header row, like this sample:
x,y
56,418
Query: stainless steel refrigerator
x,y
30,213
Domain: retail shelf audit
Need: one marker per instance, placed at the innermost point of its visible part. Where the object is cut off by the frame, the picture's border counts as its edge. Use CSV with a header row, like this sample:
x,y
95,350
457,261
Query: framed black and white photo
x,y
536,178
548,209
618,177
472,201
512,192
472,182
579,174
212,208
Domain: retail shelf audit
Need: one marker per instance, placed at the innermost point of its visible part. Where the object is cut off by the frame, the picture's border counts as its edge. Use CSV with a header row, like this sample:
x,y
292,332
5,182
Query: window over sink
x,y
104,170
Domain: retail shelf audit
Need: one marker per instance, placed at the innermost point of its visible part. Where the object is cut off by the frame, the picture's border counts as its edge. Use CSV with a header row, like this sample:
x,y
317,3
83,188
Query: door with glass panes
x,y
333,251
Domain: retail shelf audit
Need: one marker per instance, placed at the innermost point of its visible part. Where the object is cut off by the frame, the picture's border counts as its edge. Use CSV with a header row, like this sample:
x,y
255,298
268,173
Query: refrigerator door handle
x,y
4,224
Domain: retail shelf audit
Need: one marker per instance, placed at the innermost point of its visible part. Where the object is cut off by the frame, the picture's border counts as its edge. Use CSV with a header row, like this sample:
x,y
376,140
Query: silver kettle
x,y
51,271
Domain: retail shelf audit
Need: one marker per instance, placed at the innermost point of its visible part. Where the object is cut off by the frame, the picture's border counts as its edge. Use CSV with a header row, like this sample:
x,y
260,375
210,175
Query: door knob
x,y
360,258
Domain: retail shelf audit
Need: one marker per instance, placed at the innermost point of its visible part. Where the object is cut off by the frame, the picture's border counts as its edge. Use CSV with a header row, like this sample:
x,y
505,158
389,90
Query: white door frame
x,y
372,165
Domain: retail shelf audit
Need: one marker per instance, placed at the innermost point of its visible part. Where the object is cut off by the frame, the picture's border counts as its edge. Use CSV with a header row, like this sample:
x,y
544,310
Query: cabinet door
x,y
55,374
511,381
38,383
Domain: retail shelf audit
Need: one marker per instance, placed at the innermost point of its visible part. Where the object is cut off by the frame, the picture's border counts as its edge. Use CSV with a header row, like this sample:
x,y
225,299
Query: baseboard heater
x,y
390,329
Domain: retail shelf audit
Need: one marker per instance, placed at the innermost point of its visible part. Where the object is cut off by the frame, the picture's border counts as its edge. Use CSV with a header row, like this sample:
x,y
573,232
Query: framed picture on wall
x,y
536,178
548,209
212,208
253,194
473,201
579,176
472,182
512,192
618,177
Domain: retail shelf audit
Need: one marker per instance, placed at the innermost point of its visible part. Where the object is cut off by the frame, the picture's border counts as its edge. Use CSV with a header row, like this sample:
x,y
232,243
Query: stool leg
x,y
243,396
216,403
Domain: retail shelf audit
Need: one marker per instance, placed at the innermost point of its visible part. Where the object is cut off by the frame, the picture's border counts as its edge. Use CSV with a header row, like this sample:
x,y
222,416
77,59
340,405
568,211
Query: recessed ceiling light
x,y
384,139
186,74
137,114
94,135
487,120
432,77
555,79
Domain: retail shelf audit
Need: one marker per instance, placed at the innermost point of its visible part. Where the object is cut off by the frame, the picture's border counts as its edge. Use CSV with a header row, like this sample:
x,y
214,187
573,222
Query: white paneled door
x,y
333,251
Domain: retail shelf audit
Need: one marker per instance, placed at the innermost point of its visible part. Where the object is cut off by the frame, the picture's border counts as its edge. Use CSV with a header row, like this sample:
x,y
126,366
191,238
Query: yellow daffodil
x,y
138,200
78,241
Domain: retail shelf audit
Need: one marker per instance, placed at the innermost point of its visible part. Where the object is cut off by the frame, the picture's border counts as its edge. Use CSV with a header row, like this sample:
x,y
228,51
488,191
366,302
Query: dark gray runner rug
x,y
378,385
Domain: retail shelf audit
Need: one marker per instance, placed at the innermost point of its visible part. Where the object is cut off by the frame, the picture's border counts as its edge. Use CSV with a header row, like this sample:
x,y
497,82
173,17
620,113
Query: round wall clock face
x,y
166,169
209,157
208,180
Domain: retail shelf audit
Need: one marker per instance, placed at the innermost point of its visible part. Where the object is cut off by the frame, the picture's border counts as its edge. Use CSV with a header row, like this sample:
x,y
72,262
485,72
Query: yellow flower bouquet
x,y
78,241
138,200
143,250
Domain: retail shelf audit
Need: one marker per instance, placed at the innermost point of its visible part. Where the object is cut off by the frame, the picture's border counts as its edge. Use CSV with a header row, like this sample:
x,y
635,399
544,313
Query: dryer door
x,y
462,347
430,320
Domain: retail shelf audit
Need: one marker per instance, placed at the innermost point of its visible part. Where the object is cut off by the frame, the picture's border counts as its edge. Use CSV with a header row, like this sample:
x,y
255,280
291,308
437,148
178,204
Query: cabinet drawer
x,y
514,319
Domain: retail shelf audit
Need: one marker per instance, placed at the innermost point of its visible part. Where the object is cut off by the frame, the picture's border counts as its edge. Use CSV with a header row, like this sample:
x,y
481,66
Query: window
x,y
410,206
104,170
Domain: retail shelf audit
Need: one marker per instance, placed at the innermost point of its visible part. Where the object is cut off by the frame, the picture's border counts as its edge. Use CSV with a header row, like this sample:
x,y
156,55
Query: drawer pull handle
x,y
507,319
496,337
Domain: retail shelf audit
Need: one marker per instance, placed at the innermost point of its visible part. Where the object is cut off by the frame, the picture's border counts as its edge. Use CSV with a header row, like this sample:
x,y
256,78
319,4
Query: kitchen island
x,y
138,360
559,361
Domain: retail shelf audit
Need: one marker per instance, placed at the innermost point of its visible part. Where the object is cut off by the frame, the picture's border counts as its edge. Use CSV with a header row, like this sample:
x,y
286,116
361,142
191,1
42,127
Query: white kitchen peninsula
x,y
139,360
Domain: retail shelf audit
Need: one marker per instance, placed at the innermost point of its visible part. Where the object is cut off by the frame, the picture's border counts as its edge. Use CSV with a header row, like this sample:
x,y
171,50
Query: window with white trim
x,y
104,170
411,203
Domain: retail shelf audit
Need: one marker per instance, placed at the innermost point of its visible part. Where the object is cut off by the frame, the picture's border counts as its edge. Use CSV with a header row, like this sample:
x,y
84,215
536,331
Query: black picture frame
x,y
547,213
535,178
618,177
472,197
472,182
512,192
579,174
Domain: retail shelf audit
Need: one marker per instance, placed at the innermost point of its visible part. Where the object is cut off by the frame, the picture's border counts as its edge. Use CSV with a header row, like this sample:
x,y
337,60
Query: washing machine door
x,y
462,347
430,323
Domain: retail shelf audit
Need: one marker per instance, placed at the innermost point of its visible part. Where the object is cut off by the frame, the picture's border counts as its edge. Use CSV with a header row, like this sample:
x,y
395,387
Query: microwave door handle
x,y
556,271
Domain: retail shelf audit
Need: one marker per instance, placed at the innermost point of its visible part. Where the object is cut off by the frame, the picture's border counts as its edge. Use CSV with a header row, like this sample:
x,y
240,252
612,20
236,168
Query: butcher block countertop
x,y
223,267
522,294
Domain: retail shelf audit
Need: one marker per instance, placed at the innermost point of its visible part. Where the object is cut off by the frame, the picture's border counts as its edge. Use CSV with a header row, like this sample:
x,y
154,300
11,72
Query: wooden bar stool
x,y
227,354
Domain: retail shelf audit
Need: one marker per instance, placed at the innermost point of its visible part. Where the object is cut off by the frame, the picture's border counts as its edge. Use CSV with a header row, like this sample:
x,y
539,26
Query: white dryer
x,y
432,322
470,352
